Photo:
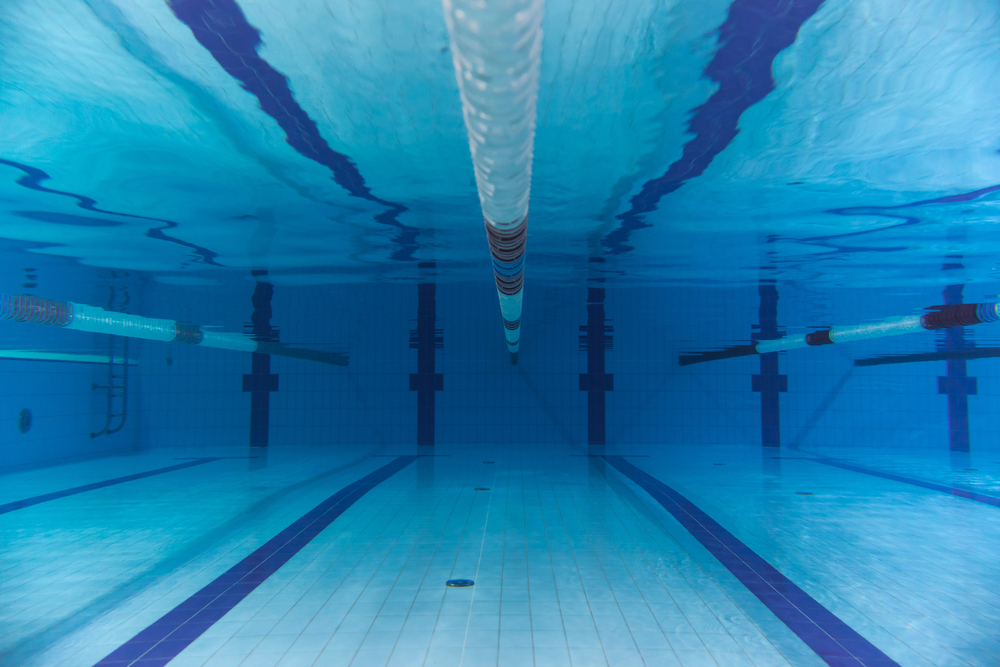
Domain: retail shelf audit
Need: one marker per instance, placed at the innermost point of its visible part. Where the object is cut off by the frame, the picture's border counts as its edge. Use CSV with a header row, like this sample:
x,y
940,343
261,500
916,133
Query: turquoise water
x,y
639,489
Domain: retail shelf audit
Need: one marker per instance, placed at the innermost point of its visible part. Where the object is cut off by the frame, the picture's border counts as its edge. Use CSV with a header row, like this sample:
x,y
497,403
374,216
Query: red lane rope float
x,y
958,315
34,309
188,333
507,247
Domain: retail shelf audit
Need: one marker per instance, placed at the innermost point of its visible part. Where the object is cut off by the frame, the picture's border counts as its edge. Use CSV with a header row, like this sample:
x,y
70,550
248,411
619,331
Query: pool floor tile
x,y
573,565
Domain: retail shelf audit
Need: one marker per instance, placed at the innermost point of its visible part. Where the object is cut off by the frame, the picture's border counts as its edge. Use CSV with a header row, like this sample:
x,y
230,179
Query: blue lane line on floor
x,y
961,493
163,641
56,495
832,639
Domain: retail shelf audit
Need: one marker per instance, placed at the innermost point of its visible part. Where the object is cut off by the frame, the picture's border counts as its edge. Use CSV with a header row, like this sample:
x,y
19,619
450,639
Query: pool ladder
x,y
116,388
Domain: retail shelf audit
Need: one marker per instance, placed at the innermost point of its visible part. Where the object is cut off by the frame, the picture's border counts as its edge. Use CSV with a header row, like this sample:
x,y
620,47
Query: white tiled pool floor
x,y
573,563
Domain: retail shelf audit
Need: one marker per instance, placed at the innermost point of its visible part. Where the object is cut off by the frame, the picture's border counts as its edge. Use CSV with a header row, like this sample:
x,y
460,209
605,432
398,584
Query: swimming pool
x,y
273,396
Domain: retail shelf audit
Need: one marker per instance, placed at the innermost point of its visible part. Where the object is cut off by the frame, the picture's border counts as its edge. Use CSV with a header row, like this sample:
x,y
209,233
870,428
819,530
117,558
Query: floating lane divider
x,y
94,319
833,640
942,317
496,47
163,641
56,495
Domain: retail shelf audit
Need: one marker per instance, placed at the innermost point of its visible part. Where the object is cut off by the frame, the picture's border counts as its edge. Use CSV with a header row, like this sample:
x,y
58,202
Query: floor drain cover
x,y
488,462
972,469
718,464
481,488
459,583
804,493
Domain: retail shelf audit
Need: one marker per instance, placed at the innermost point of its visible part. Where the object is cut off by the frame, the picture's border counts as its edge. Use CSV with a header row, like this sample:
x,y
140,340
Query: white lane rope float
x,y
496,47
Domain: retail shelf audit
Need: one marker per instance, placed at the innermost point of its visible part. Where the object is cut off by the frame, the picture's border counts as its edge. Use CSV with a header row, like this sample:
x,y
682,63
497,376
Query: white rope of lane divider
x,y
94,319
496,49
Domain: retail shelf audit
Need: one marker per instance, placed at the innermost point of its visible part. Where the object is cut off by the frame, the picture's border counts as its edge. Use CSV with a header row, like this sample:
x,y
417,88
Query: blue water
x,y
706,175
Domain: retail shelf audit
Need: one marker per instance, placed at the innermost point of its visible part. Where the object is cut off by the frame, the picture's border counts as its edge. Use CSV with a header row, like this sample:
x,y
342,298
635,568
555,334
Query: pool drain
x,y
459,583
481,488
804,493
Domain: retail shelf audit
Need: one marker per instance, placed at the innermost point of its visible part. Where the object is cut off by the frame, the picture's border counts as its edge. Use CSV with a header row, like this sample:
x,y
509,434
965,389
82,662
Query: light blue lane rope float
x,y
941,317
81,317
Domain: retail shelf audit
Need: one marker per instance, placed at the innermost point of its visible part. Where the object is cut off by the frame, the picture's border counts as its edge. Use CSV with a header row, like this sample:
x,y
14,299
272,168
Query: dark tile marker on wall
x,y
957,385
163,641
426,339
753,34
261,382
834,641
596,340
221,27
770,383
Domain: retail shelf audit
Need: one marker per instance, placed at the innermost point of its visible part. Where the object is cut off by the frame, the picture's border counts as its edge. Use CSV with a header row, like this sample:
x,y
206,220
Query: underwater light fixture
x,y
496,47
36,310
941,317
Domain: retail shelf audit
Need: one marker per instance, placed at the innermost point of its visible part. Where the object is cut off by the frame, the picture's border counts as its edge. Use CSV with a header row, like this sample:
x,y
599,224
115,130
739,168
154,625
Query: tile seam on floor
x,y
157,644
708,604
427,562
830,637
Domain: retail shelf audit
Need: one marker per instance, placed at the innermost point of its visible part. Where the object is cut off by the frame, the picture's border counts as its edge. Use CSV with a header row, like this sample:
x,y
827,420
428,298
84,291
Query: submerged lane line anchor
x,y
496,47
941,317
94,319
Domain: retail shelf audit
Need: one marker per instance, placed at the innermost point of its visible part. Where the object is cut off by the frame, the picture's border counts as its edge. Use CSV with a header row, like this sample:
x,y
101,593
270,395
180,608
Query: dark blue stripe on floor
x,y
56,495
832,639
961,493
163,641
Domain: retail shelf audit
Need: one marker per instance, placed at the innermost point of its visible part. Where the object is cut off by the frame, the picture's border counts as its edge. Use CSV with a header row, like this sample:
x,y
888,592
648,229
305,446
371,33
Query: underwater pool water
x,y
735,406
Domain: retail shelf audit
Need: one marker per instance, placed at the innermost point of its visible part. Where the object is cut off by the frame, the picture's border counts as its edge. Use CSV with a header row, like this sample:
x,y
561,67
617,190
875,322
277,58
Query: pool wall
x,y
598,365
65,408
649,399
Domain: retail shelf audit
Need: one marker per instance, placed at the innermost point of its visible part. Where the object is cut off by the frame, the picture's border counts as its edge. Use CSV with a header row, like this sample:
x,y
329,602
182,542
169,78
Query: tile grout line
x,y
482,547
